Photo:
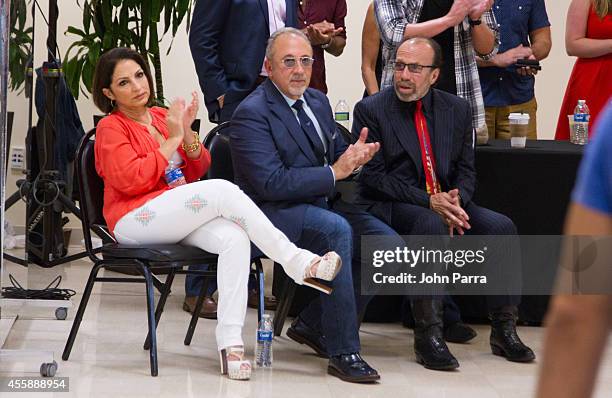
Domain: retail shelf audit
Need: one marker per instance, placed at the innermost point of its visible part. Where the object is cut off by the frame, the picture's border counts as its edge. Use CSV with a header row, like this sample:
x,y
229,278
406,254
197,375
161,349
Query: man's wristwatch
x,y
324,46
473,22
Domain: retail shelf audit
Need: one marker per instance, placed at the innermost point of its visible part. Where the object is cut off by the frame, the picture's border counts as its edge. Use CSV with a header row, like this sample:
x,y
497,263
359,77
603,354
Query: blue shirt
x,y
515,19
594,185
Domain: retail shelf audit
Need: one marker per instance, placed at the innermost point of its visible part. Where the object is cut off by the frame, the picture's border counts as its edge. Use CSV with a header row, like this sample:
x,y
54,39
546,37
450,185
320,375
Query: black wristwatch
x,y
475,22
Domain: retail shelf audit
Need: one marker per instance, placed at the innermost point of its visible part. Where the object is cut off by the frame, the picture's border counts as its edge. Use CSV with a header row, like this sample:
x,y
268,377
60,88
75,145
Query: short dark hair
x,y
103,75
438,60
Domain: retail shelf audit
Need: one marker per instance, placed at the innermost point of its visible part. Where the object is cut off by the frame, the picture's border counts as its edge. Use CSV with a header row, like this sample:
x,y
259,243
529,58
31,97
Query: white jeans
x,y
216,216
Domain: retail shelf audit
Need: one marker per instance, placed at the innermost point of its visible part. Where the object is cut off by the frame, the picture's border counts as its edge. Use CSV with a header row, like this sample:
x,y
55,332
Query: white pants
x,y
216,216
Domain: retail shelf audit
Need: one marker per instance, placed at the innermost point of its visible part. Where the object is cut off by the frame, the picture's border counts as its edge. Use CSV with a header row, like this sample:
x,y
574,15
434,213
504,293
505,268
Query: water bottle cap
x,y
266,316
581,101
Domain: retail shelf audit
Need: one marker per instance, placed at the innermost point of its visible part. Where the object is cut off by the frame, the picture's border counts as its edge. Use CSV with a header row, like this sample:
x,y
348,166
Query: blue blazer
x,y
228,41
395,174
273,161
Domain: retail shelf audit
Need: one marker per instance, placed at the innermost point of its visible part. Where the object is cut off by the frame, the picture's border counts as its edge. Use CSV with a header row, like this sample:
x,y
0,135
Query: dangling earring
x,y
113,104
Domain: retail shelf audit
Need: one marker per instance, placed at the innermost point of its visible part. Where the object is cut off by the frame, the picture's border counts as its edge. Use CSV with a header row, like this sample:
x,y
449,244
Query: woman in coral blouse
x,y
588,36
133,146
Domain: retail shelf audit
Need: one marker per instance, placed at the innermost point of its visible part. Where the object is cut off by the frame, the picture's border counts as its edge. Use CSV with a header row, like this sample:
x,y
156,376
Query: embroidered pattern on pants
x,y
240,221
196,203
144,216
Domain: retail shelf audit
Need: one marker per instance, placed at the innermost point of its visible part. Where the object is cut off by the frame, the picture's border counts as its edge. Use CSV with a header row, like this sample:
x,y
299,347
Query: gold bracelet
x,y
193,146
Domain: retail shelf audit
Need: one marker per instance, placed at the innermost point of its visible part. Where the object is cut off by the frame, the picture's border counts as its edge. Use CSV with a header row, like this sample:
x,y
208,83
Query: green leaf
x,y
153,40
86,17
88,70
156,8
108,40
94,52
75,31
107,13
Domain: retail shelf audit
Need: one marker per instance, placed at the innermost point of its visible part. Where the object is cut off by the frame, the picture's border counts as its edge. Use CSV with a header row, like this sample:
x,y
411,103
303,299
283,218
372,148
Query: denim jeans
x,y
193,283
340,229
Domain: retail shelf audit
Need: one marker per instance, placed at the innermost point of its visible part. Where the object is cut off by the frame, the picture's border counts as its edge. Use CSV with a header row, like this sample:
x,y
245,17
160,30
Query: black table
x,y
532,186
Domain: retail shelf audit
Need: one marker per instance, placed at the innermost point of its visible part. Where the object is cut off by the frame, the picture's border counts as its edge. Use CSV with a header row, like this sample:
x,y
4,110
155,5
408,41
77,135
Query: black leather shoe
x,y
429,345
458,332
304,334
352,368
504,339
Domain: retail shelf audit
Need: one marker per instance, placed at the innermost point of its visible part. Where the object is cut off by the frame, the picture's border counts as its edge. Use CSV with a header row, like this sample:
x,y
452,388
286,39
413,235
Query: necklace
x,y
149,118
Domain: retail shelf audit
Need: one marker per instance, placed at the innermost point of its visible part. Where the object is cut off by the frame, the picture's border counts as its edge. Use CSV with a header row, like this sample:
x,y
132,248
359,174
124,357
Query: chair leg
x,y
196,312
260,289
284,305
165,292
79,315
146,272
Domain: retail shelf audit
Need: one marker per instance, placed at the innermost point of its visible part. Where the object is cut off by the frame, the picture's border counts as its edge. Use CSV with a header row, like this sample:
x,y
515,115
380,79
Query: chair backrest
x,y
346,134
91,191
218,144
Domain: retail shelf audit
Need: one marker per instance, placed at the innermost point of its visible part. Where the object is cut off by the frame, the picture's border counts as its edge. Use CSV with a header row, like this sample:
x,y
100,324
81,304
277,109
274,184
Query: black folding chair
x,y
172,257
217,143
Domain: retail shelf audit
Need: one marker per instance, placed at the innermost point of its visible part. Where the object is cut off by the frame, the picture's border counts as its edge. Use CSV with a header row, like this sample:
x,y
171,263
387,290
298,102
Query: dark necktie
x,y
311,132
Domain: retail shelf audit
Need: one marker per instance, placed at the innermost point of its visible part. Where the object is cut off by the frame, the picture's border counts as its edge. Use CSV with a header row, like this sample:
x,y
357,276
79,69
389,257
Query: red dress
x,y
591,79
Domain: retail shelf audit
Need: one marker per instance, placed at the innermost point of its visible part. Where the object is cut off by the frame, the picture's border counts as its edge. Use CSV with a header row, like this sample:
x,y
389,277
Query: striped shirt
x,y
392,17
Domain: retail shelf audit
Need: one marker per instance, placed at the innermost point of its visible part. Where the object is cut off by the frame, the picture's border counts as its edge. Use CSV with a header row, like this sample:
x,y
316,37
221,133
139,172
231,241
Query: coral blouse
x,y
132,167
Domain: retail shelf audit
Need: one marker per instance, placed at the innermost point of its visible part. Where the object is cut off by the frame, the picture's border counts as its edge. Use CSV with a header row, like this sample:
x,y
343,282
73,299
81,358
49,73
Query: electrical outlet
x,y
18,158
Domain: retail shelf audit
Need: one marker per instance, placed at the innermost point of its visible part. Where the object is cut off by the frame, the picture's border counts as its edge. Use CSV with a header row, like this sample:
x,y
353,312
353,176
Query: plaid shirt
x,y
392,16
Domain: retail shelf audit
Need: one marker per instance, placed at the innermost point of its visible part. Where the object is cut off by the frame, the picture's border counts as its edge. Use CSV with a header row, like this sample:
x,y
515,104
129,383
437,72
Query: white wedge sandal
x,y
235,370
327,268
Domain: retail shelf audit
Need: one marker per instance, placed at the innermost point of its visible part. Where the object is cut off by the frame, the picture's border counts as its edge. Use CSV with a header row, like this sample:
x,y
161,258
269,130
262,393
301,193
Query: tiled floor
x,y
108,360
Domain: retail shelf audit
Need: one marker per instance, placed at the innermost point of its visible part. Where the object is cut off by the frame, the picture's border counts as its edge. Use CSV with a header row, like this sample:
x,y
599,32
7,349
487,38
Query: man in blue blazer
x,y
287,157
421,182
228,44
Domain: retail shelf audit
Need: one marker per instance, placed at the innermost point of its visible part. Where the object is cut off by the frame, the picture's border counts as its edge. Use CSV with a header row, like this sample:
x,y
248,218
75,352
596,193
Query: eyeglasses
x,y
413,68
292,62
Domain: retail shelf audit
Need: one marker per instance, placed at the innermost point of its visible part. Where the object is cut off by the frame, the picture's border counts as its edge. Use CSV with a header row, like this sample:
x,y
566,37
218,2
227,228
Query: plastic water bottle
x,y
174,174
342,114
581,124
263,345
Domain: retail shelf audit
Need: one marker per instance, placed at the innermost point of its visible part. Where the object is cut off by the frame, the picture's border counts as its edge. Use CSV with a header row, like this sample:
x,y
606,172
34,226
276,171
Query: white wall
x,y
343,75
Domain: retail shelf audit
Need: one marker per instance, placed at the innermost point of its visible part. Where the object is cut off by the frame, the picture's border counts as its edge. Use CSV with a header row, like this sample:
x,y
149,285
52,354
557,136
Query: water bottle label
x,y
581,117
264,335
173,175
342,116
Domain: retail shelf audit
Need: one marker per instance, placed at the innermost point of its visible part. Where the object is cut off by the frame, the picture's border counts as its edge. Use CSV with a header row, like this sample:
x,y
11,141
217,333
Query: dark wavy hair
x,y
103,75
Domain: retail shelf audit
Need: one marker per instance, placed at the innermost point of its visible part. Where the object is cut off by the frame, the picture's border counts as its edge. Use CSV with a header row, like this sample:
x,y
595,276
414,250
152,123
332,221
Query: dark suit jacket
x,y
273,161
228,41
395,174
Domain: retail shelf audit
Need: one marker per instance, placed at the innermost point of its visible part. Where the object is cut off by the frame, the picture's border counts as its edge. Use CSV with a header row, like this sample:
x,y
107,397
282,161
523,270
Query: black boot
x,y
429,345
504,339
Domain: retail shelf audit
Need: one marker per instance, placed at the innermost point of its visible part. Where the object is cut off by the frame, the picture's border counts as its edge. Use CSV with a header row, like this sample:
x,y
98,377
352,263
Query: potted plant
x,y
20,47
121,23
